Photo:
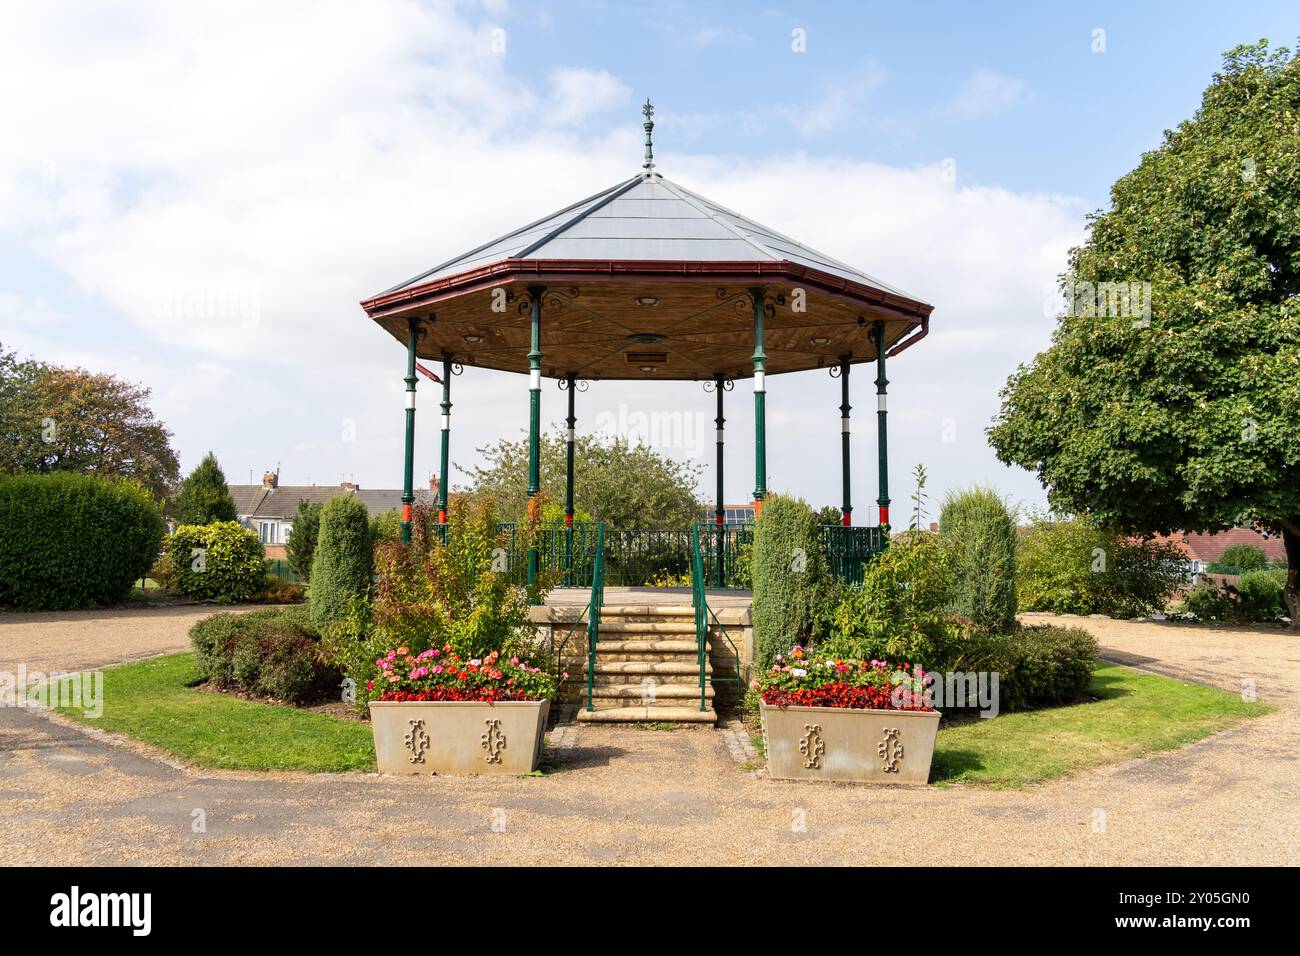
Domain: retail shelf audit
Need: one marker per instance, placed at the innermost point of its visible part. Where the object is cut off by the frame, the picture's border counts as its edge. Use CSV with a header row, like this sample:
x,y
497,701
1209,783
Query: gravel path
x,y
627,796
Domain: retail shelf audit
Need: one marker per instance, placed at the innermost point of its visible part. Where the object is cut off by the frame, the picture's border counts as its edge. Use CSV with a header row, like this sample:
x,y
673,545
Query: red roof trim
x,y
661,269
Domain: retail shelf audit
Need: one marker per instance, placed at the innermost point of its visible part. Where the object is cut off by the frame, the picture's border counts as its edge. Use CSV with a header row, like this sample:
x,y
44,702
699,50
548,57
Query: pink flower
x,y
437,668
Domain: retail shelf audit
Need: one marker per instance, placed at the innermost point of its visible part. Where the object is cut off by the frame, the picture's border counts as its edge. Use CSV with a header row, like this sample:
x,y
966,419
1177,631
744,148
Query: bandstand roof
x,y
647,280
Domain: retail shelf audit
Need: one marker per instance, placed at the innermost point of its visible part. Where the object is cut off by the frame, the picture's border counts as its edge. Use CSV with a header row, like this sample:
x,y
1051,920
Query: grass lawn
x,y
153,702
1134,714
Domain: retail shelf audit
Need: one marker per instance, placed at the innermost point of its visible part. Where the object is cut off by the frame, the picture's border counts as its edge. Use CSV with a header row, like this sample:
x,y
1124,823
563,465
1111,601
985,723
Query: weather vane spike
x,y
649,124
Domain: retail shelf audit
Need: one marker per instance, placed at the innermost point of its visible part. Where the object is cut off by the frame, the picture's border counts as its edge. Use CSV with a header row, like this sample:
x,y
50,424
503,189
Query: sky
x,y
196,197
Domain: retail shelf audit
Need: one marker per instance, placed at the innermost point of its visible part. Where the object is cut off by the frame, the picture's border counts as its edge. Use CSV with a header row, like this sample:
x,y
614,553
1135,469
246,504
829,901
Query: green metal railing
x,y
700,602
725,552
593,611
849,549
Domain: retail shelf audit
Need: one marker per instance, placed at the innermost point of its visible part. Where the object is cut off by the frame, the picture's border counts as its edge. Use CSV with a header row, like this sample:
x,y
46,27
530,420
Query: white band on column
x,y
535,379
844,425
759,384
719,439
410,398
568,434
880,403
446,422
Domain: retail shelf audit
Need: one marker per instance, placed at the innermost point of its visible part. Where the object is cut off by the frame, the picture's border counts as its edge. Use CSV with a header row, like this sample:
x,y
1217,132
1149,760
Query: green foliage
x,y
271,653
204,497
1184,415
71,541
300,547
899,612
386,526
829,514
431,595
1239,559
68,419
625,485
221,561
980,530
791,583
1072,566
1208,603
1040,666
343,560
1259,595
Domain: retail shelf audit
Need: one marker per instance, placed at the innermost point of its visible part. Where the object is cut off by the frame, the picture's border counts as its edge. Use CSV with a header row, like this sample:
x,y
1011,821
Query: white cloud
x,y
841,98
986,93
229,193
578,94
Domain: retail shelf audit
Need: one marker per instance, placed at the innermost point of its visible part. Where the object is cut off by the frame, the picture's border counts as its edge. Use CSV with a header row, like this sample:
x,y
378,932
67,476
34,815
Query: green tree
x,y
1170,396
341,566
204,496
792,588
68,419
981,531
301,544
622,484
1239,559
829,514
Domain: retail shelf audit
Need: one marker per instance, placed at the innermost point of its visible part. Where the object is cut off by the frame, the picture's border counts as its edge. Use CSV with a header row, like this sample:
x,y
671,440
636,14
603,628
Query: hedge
x,y
271,653
222,561
981,531
343,560
792,591
71,541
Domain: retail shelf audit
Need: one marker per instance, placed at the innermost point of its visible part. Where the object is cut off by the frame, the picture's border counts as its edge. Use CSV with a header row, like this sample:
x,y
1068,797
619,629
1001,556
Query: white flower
x,y
799,672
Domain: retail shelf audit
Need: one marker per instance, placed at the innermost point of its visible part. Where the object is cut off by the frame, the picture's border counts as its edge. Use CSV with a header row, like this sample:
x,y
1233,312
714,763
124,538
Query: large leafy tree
x,y
68,419
626,485
204,496
1186,414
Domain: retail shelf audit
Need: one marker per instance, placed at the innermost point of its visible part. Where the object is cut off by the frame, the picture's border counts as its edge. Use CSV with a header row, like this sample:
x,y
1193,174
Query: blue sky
x,y
196,196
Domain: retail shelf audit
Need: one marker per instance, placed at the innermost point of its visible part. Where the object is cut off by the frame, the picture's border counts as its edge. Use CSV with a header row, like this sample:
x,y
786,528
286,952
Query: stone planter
x,y
863,746
458,737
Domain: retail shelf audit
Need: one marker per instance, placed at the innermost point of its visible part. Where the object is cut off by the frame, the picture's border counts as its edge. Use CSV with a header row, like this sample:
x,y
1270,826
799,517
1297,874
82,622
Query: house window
x,y
266,531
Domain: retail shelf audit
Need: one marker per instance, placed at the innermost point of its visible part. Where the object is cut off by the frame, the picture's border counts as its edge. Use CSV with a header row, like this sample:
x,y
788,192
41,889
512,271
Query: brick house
x,y
269,508
1202,550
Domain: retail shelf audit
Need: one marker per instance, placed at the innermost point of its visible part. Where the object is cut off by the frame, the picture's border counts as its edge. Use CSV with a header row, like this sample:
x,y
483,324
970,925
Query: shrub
x,y
1071,566
203,496
436,595
280,591
342,564
300,546
1239,559
221,561
386,527
1259,595
1208,603
789,577
899,612
1036,666
72,541
270,653
980,530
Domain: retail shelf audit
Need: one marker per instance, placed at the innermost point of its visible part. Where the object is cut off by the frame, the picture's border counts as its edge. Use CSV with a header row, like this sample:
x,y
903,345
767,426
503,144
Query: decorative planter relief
x,y
865,746
458,736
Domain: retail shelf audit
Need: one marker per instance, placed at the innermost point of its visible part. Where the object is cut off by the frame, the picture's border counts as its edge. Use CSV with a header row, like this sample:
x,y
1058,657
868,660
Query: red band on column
x,y
442,516
406,513
884,514
568,521
758,507
848,519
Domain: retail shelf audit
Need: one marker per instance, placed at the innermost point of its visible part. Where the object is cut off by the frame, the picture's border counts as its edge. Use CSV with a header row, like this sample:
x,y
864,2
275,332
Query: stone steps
x,y
647,668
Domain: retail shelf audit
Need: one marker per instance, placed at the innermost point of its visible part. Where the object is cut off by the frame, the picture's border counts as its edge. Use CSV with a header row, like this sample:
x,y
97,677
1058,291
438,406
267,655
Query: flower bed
x,y
440,674
440,712
831,719
803,680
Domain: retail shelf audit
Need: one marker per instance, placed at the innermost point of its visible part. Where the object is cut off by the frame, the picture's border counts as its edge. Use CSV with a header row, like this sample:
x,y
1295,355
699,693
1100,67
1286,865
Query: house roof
x,y
1210,547
258,501
647,218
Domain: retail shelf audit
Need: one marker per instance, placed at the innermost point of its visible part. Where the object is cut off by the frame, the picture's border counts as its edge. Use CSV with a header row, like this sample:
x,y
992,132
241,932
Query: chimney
x,y
349,486
270,479
934,526
434,485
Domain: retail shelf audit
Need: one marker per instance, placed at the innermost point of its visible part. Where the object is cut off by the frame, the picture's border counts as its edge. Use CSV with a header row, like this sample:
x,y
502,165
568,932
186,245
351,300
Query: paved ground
x,y
649,797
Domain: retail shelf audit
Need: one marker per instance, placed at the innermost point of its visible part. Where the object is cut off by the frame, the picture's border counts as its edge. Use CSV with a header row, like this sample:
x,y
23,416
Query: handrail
x,y
593,611
700,602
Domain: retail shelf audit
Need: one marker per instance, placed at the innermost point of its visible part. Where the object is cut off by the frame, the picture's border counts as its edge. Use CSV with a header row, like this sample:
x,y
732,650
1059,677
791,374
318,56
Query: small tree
x,y
981,531
792,602
342,563
204,497
1239,559
301,545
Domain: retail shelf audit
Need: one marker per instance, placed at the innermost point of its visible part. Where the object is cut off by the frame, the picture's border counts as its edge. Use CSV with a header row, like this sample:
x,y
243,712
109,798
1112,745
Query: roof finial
x,y
649,125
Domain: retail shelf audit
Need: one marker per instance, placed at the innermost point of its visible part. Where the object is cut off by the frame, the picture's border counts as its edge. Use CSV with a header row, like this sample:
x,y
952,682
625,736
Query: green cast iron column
x,y
719,509
446,438
534,426
846,508
760,394
408,469
882,434
571,385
